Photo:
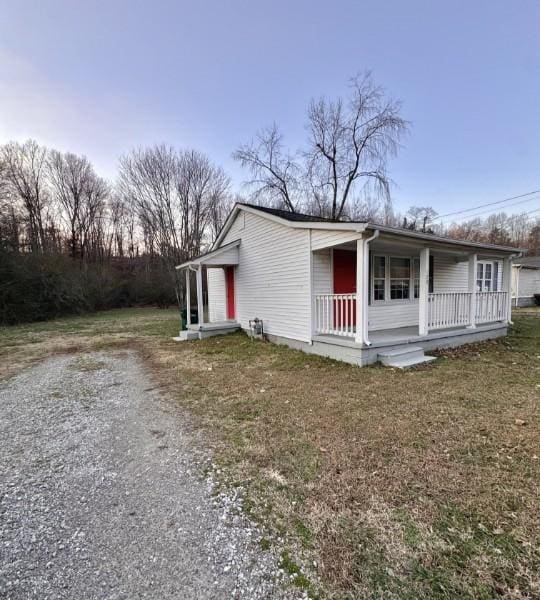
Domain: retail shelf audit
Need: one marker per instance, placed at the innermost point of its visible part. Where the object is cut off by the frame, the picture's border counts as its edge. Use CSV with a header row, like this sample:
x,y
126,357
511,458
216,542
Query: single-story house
x,y
525,280
354,291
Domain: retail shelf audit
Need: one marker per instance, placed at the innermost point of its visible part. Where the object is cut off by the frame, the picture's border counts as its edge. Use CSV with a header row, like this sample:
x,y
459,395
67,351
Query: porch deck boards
x,y
405,335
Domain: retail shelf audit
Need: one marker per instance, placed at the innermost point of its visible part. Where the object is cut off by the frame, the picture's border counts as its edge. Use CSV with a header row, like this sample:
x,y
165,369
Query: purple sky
x,y
99,78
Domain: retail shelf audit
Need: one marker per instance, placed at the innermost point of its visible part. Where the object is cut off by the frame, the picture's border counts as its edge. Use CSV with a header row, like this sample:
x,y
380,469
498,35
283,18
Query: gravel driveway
x,y
102,493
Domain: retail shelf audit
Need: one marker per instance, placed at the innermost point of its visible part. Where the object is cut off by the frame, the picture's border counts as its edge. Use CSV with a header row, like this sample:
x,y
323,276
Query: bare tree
x,y
275,173
179,198
350,143
24,179
81,195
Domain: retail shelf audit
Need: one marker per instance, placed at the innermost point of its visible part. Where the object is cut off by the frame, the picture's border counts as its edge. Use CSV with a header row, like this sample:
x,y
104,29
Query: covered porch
x,y
383,290
220,267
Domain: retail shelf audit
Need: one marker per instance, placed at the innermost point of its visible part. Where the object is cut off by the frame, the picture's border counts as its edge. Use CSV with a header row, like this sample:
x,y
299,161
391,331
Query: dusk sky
x,y
99,78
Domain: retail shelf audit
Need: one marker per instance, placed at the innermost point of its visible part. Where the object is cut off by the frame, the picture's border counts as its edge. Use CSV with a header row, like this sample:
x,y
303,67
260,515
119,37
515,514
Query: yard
x,y
380,483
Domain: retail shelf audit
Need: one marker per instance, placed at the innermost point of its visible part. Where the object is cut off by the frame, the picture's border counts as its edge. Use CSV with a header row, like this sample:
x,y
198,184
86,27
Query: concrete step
x,y
186,335
405,363
403,353
406,356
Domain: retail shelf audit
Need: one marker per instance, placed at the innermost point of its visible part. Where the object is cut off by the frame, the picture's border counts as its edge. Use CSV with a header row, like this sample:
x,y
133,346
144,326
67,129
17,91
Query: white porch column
x,y
200,307
423,304
188,297
507,287
362,257
473,260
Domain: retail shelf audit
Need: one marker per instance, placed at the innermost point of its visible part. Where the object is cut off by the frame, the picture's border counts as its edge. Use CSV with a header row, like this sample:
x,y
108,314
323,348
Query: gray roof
x,y
532,262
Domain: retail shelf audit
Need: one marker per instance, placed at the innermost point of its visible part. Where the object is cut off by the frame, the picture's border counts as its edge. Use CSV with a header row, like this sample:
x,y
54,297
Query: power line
x,y
487,204
484,212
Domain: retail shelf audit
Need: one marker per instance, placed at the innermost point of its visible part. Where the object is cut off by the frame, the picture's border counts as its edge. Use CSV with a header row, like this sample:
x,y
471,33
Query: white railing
x,y
491,306
452,309
335,314
448,309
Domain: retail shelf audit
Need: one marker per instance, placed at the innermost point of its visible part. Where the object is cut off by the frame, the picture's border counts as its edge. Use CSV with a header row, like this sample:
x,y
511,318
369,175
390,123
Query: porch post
x,y
200,308
473,259
507,287
188,297
423,304
361,335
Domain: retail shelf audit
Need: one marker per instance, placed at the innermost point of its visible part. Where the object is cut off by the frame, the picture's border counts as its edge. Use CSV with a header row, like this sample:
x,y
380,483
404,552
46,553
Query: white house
x,y
357,292
525,280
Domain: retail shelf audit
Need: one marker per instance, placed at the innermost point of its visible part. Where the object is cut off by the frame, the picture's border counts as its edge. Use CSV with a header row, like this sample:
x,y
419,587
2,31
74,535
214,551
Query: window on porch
x,y
395,278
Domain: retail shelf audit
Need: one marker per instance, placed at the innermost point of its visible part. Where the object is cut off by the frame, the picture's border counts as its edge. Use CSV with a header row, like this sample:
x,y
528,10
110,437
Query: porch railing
x,y
335,314
448,309
453,309
491,306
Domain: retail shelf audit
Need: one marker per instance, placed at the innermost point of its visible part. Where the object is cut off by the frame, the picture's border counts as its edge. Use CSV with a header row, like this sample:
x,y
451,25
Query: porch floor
x,y
405,335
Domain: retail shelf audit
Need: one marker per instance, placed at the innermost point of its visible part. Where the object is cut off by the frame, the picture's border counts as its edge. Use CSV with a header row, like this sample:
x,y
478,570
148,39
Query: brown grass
x,y
416,484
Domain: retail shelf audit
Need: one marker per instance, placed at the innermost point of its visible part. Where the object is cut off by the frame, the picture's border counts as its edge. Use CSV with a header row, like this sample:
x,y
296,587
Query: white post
x,y
200,307
188,298
423,292
361,335
473,260
507,287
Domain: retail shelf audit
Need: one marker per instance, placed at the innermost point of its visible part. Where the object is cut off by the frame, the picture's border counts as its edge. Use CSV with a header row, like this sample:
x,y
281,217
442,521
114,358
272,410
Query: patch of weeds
x,y
265,543
88,364
293,570
411,534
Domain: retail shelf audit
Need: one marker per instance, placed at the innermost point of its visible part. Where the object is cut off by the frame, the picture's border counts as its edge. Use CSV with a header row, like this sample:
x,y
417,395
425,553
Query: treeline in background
x,y
71,242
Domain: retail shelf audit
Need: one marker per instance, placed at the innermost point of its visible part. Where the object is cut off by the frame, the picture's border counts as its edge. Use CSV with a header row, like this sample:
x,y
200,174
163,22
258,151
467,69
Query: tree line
x,y
71,241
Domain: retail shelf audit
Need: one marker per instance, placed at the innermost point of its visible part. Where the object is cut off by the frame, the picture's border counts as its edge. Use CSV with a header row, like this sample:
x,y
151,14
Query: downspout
x,y
365,332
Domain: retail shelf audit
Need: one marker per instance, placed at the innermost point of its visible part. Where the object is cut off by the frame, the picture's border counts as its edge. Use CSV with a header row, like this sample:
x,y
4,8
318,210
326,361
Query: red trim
x,y
229,285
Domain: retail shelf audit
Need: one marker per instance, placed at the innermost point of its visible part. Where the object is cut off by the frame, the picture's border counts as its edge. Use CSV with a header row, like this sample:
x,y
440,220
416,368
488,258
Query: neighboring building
x,y
357,292
525,280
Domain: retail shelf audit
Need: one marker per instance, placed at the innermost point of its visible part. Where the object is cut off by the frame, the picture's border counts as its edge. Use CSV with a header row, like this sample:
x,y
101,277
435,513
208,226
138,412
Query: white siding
x,y
322,272
529,282
216,294
273,276
449,275
324,238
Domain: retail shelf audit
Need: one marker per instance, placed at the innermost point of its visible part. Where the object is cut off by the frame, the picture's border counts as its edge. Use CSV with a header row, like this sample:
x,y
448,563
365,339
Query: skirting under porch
x,y
383,341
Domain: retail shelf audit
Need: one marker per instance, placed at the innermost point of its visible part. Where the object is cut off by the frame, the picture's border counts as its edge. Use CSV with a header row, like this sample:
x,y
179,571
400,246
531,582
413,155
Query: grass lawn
x,y
415,484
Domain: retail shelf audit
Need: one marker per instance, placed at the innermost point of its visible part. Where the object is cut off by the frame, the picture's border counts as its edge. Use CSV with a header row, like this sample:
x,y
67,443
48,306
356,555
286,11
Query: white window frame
x,y
387,298
481,281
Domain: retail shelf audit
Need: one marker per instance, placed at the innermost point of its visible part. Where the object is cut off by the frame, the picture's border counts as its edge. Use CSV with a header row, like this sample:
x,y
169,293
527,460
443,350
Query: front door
x,y
344,269
229,285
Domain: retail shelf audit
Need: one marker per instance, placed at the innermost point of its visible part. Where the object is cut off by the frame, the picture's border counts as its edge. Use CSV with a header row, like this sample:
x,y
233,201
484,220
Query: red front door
x,y
229,284
344,283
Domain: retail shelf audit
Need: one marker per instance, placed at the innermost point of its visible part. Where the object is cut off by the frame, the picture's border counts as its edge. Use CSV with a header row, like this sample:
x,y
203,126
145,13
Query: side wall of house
x,y
216,294
526,283
272,280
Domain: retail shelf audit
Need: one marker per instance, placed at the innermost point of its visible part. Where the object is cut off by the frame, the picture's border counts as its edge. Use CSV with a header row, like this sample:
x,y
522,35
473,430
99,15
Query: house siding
x,y
216,294
324,238
273,278
529,282
322,272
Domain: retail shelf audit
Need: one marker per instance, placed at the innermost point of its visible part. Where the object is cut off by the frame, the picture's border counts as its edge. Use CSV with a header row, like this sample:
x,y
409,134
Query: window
x,y
397,278
379,277
487,274
400,278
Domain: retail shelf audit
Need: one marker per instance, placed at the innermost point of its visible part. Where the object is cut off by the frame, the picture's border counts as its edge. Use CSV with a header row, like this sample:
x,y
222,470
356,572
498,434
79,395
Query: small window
x,y
486,276
379,277
400,278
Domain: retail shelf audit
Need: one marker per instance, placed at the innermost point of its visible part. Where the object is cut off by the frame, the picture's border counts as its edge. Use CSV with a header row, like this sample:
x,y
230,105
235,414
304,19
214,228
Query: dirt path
x,y
102,494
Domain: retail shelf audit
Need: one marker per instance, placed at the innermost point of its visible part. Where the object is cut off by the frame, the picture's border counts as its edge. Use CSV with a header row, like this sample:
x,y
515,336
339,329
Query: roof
x,y
210,254
300,220
530,262
290,216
